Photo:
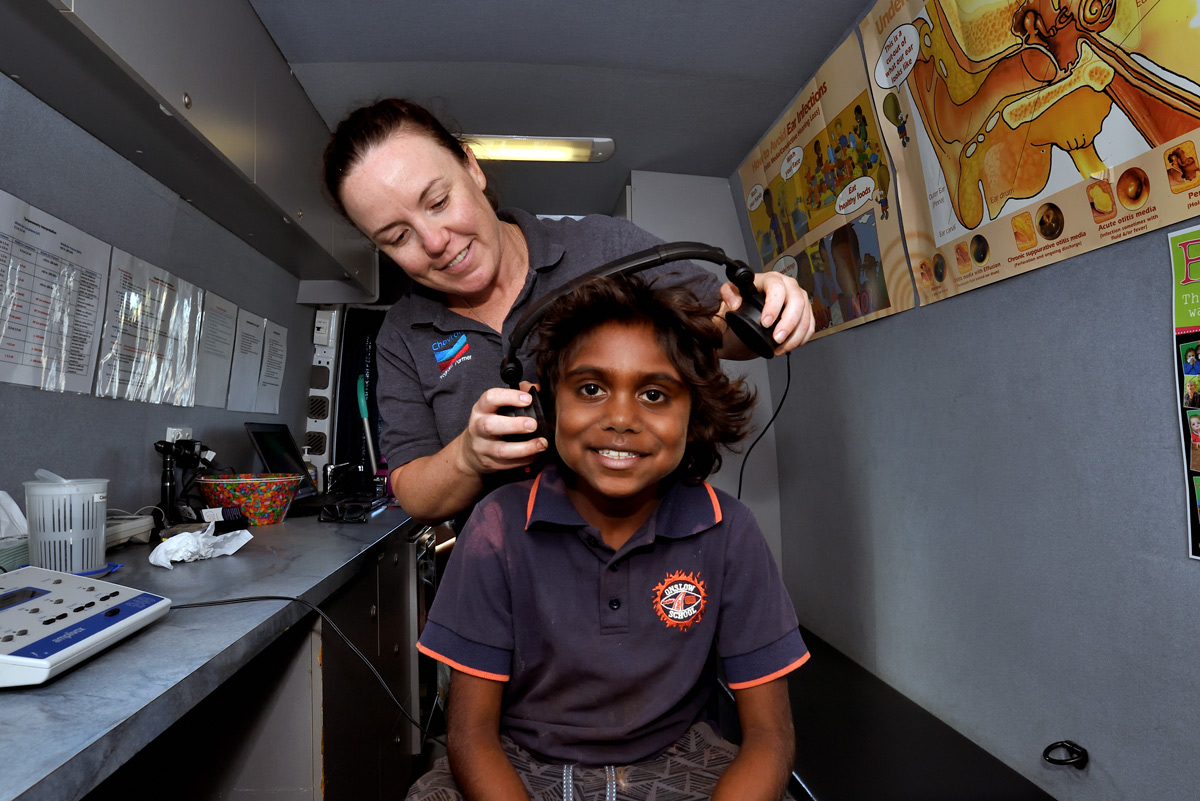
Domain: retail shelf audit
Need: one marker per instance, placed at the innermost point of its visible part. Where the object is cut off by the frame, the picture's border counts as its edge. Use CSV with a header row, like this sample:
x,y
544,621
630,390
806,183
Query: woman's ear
x,y
473,168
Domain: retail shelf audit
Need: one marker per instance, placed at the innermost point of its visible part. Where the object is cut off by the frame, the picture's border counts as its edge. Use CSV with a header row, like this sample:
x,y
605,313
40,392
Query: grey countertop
x,y
62,738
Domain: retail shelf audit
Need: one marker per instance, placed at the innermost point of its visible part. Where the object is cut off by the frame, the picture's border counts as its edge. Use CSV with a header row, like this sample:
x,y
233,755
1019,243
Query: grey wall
x,y
57,167
983,504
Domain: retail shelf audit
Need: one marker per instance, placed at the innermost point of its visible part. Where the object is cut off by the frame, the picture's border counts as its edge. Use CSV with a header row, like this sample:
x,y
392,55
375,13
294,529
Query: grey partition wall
x,y
983,503
54,165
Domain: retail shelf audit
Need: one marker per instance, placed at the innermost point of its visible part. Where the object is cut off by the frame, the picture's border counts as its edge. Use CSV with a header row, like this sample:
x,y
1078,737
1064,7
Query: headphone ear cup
x,y
746,323
532,411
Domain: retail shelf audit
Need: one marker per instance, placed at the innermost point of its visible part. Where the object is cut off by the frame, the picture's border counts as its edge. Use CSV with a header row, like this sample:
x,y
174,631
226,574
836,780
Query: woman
x,y
418,194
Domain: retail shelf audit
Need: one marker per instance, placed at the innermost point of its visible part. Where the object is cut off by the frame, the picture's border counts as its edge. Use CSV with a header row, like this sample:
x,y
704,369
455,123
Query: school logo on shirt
x,y
679,600
450,351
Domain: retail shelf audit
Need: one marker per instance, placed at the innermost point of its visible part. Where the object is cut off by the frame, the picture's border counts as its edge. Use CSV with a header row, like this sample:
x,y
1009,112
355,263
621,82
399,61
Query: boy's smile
x,y
621,420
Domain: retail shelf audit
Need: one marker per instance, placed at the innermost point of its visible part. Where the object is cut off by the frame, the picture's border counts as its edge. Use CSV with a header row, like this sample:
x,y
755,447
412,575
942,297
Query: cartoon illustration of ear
x,y
891,108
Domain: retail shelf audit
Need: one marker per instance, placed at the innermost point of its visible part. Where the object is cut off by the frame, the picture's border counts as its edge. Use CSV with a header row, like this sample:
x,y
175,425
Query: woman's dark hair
x,y
370,125
721,407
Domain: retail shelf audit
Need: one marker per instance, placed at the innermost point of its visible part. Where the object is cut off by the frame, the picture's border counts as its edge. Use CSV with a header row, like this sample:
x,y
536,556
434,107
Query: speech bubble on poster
x,y
900,52
788,266
791,162
755,198
856,193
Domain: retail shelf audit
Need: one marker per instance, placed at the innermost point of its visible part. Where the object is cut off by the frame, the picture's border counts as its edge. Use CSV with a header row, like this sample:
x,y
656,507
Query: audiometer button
x,y
116,610
114,593
6,638
22,632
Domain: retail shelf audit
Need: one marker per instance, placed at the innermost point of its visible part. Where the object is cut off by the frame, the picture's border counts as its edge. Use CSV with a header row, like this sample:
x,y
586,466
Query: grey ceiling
x,y
682,87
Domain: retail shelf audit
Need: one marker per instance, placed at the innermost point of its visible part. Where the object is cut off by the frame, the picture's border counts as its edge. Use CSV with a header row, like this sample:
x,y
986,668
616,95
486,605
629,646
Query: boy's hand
x,y
764,760
481,768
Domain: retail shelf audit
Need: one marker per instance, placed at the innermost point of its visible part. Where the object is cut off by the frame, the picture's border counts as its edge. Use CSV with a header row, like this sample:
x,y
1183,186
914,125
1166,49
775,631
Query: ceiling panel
x,y
681,87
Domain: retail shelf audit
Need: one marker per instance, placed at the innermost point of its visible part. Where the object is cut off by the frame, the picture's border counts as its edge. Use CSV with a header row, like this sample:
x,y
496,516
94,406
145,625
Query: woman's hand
x,y
784,300
482,444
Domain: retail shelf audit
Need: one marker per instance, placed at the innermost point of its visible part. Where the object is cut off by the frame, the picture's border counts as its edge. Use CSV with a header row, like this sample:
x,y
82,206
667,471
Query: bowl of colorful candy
x,y
264,498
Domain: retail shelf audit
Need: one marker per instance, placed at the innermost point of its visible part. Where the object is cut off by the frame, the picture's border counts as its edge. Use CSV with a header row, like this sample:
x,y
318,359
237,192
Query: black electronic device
x,y
279,453
745,321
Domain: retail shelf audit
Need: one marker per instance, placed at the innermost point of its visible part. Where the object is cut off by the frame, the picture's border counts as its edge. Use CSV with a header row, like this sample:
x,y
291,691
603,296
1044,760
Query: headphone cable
x,y
786,386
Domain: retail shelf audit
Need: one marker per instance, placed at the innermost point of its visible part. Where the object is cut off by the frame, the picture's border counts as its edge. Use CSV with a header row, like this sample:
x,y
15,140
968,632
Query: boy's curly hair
x,y
721,406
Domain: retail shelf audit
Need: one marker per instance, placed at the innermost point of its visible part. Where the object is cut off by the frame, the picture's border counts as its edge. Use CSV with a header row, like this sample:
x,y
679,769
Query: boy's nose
x,y
621,414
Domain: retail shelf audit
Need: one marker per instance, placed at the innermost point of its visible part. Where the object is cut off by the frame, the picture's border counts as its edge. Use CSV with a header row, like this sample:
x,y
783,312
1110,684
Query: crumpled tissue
x,y
12,522
189,546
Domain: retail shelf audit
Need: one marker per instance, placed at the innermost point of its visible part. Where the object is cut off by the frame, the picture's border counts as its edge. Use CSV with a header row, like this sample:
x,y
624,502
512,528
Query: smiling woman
x,y
419,194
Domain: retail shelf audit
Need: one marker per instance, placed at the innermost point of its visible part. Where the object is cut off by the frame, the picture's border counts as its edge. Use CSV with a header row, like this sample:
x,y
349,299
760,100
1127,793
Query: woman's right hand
x,y
483,448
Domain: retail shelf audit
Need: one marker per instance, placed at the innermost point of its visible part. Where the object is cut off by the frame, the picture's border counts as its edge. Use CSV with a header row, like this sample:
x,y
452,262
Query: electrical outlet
x,y
176,433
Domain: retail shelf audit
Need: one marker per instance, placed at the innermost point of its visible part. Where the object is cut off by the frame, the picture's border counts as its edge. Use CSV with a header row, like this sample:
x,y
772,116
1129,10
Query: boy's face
x,y
621,416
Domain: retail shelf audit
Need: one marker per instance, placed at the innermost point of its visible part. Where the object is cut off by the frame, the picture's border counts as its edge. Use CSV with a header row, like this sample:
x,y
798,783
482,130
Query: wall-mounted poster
x,y
1029,131
819,196
1185,272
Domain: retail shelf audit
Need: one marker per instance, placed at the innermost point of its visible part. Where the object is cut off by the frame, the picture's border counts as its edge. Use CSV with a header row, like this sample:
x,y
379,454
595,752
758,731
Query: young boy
x,y
585,612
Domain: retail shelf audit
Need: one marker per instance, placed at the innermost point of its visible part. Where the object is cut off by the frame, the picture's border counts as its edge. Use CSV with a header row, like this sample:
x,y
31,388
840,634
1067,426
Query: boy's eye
x,y
590,390
654,395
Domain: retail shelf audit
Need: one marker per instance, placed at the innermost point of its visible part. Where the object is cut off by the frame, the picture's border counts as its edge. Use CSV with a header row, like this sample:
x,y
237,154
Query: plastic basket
x,y
66,523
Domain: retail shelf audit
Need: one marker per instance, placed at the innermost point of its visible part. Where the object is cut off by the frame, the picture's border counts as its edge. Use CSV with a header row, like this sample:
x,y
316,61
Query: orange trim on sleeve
x,y
532,495
463,668
712,496
742,685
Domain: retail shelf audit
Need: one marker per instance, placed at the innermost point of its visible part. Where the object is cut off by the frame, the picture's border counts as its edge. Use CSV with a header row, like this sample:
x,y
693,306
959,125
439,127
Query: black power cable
x,y
329,621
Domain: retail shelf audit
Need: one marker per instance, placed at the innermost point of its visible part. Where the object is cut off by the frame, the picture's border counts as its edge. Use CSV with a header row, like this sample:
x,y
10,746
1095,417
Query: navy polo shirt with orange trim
x,y
608,657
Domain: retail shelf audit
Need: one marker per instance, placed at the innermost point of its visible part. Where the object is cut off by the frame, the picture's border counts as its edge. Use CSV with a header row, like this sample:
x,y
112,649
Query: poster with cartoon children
x,y
816,191
1185,264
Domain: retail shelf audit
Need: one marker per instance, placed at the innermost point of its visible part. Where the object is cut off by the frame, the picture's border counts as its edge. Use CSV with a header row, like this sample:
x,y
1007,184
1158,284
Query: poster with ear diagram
x,y
821,202
1029,131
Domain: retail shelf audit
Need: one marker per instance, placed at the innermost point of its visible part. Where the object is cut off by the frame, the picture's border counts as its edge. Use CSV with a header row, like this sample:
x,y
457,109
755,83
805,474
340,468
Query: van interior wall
x,y
59,168
983,504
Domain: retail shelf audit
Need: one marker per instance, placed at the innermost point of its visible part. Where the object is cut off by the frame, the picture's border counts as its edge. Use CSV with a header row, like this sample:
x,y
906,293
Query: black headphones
x,y
745,321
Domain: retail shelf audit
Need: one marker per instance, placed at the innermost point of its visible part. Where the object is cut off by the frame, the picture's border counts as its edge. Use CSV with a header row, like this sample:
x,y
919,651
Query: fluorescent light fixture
x,y
540,148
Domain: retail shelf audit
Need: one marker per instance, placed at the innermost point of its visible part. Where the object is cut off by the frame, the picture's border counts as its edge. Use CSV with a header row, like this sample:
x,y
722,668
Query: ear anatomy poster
x,y
819,195
1029,131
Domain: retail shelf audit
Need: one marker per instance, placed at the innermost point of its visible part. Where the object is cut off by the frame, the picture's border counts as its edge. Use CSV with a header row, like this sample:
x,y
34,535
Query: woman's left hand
x,y
784,300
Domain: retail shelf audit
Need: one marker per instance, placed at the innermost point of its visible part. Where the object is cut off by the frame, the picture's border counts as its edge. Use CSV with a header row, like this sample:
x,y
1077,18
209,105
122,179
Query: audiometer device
x,y
51,621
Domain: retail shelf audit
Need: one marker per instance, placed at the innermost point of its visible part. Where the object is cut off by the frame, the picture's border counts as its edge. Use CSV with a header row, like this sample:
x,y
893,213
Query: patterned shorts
x,y
687,771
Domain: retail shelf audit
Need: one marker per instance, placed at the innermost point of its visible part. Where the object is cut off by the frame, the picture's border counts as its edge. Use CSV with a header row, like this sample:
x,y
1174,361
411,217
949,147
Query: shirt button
x,y
614,603
614,568
591,541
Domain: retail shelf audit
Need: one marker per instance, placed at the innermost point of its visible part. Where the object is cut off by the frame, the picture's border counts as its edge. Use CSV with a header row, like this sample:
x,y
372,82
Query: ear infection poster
x,y
1029,131
1185,269
819,196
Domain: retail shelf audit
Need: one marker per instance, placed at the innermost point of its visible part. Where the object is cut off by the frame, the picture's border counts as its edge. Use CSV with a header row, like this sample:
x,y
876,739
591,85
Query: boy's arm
x,y
764,760
480,767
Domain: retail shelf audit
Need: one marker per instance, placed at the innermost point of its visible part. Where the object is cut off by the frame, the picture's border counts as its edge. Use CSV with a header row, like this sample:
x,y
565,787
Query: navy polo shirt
x,y
434,364
608,657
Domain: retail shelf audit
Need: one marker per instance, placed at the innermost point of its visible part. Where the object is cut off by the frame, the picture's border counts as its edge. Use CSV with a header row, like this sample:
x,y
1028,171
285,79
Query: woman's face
x,y
426,210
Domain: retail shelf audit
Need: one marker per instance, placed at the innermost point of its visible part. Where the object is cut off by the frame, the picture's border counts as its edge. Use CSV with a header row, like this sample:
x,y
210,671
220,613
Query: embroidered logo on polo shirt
x,y
450,351
679,600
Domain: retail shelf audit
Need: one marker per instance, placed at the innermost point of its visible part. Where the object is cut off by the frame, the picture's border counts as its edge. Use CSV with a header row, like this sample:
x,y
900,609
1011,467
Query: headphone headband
x,y
736,271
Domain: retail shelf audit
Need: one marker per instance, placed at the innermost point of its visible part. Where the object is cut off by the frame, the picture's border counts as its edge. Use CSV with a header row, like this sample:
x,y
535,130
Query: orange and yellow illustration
x,y
997,107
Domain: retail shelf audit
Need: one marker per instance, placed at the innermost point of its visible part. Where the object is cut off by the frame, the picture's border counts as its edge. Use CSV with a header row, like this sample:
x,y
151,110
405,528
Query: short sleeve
x,y
409,428
470,623
758,638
